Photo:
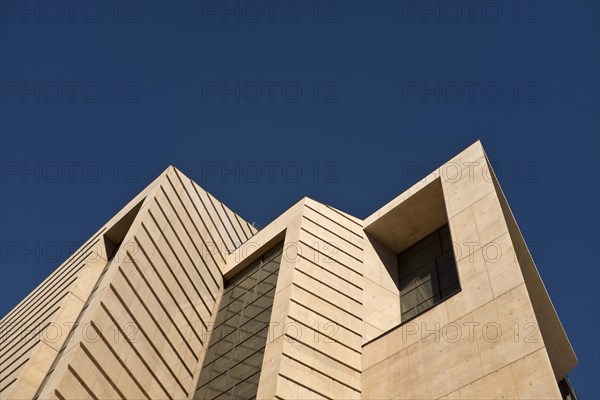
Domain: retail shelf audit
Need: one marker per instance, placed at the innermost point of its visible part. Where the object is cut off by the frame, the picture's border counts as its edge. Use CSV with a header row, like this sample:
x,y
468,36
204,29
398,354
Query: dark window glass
x,y
233,360
427,272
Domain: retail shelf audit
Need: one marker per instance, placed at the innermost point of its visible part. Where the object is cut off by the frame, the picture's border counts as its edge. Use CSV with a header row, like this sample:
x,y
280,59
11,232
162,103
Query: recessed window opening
x,y
427,273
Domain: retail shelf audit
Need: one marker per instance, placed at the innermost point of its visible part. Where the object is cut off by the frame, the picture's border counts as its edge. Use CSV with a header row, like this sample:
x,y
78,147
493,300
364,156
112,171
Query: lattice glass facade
x,y
235,352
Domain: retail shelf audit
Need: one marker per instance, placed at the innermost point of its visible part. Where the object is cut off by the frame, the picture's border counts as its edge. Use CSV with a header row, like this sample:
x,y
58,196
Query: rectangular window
x,y
427,272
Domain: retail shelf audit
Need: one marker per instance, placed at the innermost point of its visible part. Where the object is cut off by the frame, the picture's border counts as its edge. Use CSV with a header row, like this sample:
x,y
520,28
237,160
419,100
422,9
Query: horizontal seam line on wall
x,y
330,272
480,248
89,355
154,320
325,255
330,243
173,274
328,302
9,384
345,216
212,200
329,318
37,323
45,302
150,343
305,386
327,336
334,221
183,225
118,358
332,233
230,214
470,205
69,271
16,352
49,302
496,370
208,216
179,262
195,207
162,305
135,350
329,286
185,249
84,385
167,289
326,317
434,332
15,369
53,276
321,372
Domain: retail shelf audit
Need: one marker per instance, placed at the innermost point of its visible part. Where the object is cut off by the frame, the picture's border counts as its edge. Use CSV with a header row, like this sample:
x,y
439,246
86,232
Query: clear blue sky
x,y
359,97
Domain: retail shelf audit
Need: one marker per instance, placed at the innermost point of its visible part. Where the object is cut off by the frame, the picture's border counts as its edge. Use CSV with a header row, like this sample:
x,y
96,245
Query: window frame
x,y
439,294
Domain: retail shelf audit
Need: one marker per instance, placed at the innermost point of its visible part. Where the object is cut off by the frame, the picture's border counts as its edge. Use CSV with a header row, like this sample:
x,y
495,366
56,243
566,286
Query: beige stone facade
x,y
131,313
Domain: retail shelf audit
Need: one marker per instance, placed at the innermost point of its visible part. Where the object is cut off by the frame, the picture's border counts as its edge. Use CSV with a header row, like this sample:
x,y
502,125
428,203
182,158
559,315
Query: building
x,y
435,295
